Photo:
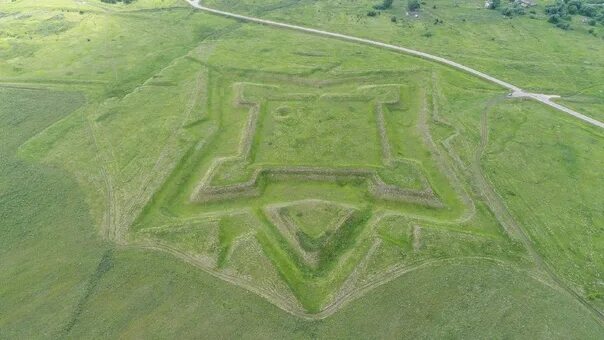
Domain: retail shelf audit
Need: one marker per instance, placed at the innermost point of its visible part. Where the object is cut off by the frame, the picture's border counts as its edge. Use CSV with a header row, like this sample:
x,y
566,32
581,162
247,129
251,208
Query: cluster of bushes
x,y
412,6
512,9
559,14
562,11
386,4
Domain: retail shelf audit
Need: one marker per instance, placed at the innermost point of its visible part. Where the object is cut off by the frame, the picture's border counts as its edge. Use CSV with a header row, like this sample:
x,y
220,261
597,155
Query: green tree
x,y
386,4
494,4
413,5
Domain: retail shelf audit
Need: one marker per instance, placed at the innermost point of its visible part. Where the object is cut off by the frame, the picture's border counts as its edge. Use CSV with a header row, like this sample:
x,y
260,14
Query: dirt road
x,y
515,91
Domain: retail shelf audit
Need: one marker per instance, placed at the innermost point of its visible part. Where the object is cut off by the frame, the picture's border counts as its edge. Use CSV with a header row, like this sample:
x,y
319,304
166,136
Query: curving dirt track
x,y
516,92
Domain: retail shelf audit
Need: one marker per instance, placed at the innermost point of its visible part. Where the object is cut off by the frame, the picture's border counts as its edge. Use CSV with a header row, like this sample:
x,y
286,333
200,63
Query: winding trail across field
x,y
516,92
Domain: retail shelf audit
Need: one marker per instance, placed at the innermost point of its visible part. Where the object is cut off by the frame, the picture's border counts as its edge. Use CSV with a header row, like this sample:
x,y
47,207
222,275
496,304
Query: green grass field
x,y
167,172
528,52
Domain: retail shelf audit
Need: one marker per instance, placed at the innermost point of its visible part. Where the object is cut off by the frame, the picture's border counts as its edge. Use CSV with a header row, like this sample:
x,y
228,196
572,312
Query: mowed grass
x,y
560,195
106,53
61,280
313,286
149,295
151,134
48,248
312,64
232,125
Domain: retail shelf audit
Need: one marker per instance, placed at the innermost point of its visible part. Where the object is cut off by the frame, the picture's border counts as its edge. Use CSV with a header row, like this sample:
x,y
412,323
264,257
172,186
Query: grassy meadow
x,y
526,51
167,172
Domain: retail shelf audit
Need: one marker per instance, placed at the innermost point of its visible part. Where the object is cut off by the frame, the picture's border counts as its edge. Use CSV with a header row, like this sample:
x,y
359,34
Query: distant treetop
x,y
386,4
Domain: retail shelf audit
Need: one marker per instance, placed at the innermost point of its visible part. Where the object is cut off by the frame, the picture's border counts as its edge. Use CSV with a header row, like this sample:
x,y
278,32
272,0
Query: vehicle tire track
x,y
105,264
509,223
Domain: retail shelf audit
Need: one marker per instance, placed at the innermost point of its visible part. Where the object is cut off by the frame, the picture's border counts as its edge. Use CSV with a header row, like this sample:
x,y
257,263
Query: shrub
x,y
371,13
588,11
386,4
512,10
413,5
573,9
563,25
554,19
